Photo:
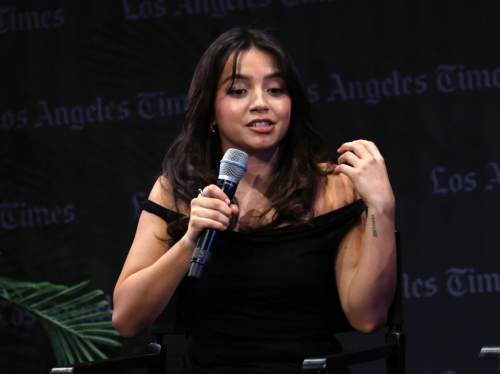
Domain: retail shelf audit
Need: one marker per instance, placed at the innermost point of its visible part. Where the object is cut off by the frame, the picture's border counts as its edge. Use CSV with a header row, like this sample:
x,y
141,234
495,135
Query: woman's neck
x,y
250,195
259,170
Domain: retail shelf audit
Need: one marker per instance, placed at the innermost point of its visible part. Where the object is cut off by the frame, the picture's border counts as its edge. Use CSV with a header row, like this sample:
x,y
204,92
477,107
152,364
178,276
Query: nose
x,y
259,102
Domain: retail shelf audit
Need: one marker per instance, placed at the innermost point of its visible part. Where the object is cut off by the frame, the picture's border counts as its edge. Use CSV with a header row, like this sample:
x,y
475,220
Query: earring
x,y
212,128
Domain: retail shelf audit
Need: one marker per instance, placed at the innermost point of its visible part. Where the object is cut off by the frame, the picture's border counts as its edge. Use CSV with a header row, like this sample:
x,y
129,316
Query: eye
x,y
236,92
276,91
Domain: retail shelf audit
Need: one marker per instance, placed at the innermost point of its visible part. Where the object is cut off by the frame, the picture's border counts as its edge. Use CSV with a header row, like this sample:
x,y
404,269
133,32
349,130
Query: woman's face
x,y
254,114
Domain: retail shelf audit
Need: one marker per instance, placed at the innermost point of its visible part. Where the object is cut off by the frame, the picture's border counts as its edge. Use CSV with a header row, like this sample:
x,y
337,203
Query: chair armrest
x,y
152,358
490,351
349,358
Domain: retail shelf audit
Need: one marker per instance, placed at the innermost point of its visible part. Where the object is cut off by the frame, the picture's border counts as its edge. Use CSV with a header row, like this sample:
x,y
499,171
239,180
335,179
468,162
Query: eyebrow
x,y
247,78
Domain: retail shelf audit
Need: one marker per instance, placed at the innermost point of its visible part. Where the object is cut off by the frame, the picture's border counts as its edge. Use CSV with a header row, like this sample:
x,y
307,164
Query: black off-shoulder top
x,y
268,299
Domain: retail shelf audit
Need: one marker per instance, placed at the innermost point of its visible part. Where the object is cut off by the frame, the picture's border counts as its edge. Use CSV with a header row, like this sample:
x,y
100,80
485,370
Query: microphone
x,y
232,168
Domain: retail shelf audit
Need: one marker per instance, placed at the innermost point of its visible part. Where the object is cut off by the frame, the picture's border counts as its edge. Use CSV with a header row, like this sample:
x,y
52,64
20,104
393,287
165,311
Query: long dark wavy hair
x,y
192,161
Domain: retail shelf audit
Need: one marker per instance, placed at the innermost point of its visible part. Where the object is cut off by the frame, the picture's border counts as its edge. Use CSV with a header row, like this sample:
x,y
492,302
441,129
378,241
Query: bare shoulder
x,y
337,192
151,239
162,194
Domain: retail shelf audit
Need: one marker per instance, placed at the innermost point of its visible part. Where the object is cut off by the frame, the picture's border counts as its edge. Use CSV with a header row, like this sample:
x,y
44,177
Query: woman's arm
x,y
366,261
153,268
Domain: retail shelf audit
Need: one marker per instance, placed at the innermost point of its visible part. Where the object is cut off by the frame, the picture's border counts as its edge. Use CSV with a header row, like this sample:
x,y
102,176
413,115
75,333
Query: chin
x,y
263,148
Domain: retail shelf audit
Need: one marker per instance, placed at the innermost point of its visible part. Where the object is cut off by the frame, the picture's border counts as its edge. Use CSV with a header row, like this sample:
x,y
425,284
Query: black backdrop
x,y
93,92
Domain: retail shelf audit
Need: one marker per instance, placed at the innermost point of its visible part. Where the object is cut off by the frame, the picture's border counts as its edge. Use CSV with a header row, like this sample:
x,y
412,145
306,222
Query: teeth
x,y
261,124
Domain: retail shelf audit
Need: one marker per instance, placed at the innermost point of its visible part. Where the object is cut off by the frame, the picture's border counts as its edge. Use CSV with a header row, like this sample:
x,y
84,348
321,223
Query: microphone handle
x,y
202,253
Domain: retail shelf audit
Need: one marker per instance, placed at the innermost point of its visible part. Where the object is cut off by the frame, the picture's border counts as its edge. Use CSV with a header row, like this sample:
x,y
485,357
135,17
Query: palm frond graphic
x,y
73,325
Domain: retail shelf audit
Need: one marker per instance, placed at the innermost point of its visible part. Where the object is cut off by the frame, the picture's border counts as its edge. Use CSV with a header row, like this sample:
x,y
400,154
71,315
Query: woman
x,y
297,228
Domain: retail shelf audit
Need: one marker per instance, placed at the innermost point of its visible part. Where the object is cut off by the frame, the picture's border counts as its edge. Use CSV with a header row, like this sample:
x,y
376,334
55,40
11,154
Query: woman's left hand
x,y
365,267
362,162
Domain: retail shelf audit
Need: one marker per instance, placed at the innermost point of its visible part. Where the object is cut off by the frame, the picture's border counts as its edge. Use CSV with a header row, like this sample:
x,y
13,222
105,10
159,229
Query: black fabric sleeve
x,y
168,215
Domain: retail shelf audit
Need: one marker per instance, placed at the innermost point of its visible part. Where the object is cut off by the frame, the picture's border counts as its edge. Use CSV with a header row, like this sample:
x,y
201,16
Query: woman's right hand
x,y
212,211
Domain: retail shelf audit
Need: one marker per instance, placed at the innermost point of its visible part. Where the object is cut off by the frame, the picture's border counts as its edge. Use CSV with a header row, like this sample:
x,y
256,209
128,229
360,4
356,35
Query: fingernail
x,y
228,201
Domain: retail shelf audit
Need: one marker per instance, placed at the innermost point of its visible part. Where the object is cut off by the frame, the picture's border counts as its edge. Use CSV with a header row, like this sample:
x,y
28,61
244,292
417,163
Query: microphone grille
x,y
233,165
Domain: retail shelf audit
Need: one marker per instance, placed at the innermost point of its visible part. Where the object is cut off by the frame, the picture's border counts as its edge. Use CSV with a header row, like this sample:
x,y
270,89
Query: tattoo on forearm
x,y
374,228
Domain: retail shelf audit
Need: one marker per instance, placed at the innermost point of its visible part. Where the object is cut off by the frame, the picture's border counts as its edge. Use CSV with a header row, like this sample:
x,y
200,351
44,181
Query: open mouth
x,y
261,124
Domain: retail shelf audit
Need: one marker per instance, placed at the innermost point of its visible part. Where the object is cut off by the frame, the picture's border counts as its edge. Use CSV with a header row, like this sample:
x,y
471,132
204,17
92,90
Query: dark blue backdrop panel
x,y
93,93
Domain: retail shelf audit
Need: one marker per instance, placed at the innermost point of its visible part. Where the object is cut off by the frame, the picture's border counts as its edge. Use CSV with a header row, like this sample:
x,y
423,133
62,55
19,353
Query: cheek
x,y
226,110
285,110
219,110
